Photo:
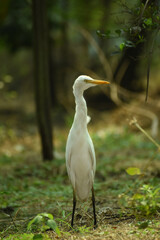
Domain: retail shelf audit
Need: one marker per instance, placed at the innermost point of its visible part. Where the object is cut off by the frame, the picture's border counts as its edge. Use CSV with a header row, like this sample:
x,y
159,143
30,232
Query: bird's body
x,y
81,161
80,154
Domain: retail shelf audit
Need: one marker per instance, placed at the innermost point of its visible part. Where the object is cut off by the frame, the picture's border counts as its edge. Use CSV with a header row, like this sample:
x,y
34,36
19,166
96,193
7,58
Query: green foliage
x,y
143,225
122,46
143,20
28,236
148,22
84,229
31,185
127,44
145,202
38,237
43,222
23,236
133,171
17,19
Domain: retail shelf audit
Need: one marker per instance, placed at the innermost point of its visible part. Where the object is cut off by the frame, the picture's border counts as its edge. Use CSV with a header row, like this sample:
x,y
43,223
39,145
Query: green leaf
x,y
122,46
148,21
47,215
143,225
137,196
133,171
38,237
35,221
157,190
52,224
63,213
44,228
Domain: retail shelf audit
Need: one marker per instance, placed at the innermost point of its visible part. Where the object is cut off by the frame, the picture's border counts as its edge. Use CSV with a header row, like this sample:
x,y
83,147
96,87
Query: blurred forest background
x,y
46,45
110,40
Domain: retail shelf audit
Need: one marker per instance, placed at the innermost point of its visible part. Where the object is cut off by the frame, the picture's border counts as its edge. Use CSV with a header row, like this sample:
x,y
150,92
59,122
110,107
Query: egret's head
x,y
84,82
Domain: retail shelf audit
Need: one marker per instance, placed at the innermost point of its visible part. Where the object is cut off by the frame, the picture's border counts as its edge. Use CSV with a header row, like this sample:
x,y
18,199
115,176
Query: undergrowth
x,y
36,196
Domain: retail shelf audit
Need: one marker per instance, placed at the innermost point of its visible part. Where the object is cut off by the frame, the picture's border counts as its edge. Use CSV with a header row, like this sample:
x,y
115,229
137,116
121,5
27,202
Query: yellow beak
x,y
95,81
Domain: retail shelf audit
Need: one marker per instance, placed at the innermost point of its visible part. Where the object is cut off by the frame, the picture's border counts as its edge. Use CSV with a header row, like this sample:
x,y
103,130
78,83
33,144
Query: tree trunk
x,y
41,79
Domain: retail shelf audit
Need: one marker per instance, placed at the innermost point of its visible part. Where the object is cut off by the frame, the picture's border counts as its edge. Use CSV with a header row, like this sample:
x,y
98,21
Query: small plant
x,y
145,202
23,236
84,229
43,222
26,236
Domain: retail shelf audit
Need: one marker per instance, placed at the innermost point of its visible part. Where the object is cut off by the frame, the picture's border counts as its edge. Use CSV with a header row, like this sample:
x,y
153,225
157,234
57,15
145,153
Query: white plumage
x,y
80,154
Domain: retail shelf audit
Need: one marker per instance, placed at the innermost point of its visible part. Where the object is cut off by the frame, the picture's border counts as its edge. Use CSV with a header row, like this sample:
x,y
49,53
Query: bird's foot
x,y
95,226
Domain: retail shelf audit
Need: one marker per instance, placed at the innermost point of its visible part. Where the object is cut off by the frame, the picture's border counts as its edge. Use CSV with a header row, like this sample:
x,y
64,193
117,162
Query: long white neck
x,y
80,117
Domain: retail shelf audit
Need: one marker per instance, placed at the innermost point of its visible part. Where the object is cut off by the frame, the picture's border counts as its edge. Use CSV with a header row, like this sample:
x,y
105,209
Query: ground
x,y
127,205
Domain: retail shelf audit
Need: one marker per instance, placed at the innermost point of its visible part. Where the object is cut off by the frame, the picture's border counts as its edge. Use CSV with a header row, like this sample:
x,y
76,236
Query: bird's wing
x,y
68,159
92,157
88,119
68,165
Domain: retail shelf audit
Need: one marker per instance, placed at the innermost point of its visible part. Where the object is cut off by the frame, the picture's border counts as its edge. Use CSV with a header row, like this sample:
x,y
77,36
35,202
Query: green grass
x,y
30,186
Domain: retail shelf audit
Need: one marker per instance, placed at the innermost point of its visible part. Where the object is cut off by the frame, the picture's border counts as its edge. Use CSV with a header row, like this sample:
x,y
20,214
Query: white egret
x,y
80,154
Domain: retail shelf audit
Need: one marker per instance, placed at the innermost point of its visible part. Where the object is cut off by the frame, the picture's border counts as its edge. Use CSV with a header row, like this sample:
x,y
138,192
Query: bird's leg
x,y
94,209
74,207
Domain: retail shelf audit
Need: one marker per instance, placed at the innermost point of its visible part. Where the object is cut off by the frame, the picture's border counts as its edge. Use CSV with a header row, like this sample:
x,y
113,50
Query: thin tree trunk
x,y
42,83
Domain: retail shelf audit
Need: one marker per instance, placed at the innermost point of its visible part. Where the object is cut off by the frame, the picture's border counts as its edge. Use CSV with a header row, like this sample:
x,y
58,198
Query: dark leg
x,y
74,207
94,209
